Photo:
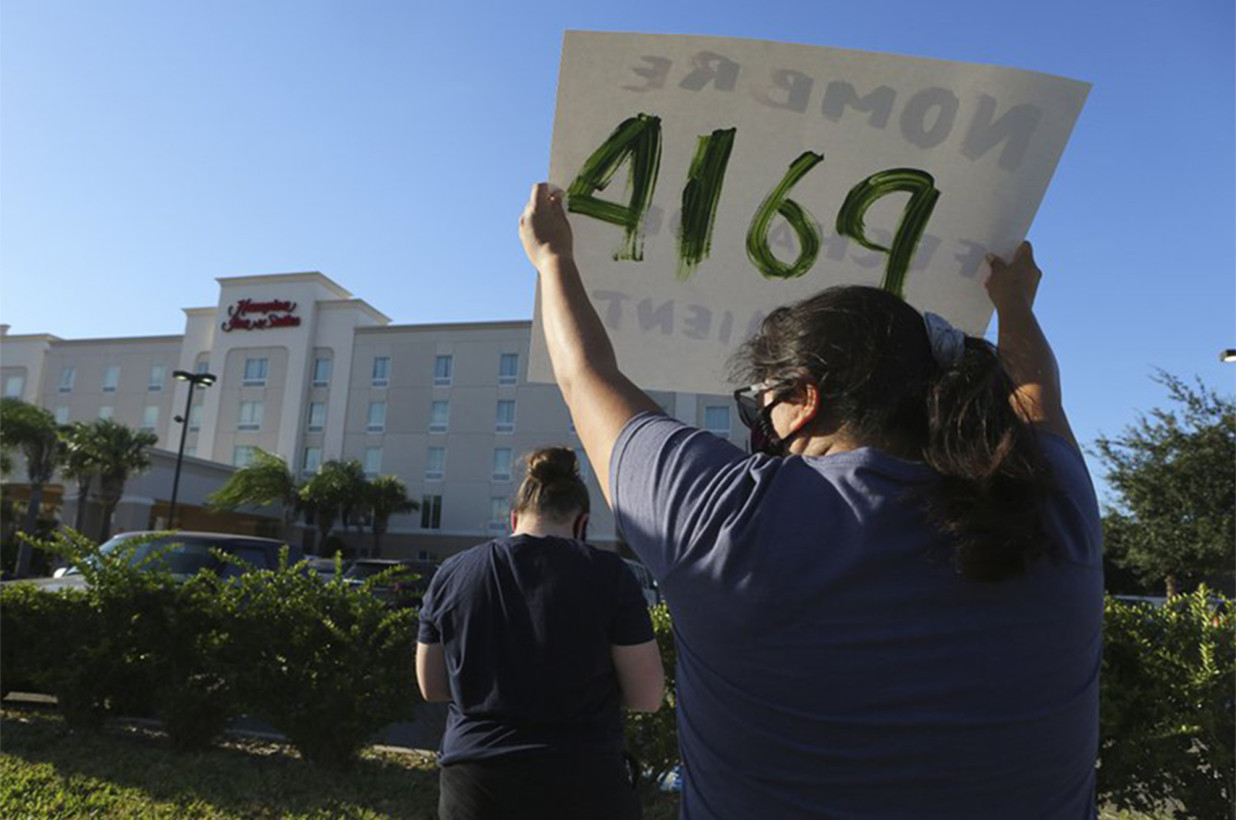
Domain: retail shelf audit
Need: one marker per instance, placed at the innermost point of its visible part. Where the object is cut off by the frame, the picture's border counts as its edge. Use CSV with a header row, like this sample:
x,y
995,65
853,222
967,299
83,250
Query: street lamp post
x,y
1228,356
194,379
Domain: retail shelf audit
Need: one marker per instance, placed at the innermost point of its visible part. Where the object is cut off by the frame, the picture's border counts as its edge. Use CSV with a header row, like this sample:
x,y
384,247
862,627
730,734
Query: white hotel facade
x,y
309,372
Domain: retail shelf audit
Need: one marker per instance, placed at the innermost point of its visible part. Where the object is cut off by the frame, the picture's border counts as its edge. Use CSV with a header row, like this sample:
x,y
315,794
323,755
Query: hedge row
x,y
329,666
325,664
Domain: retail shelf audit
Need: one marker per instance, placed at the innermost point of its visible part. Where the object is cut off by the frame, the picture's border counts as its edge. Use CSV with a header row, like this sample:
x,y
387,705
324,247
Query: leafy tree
x,y
387,496
264,481
336,493
122,452
1175,474
80,442
33,430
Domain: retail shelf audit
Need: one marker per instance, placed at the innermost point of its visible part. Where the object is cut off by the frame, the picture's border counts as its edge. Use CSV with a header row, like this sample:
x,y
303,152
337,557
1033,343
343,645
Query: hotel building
x,y
311,373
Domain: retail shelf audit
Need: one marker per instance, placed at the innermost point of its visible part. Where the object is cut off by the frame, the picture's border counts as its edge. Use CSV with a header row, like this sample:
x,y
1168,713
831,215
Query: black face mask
x,y
763,438
757,417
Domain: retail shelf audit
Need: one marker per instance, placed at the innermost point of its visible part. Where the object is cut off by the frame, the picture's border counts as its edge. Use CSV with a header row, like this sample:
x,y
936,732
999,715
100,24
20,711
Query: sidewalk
x,y
422,735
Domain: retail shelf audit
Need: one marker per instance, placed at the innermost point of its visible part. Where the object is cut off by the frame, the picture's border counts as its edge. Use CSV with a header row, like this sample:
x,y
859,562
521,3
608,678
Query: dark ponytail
x,y
552,486
994,480
869,353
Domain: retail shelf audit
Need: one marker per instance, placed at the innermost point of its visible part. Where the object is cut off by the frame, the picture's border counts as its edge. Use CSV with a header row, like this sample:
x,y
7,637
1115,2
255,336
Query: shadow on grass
x,y
236,778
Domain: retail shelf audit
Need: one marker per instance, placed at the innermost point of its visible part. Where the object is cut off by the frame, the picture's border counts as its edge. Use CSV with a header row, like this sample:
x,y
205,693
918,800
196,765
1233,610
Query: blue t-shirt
x,y
527,626
831,664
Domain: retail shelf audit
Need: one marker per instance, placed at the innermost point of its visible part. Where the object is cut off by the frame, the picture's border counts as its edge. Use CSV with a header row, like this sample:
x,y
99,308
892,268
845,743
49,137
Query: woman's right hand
x,y
543,226
1013,285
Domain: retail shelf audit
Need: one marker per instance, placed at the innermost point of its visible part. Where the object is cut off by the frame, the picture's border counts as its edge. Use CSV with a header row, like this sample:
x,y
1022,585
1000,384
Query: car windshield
x,y
179,555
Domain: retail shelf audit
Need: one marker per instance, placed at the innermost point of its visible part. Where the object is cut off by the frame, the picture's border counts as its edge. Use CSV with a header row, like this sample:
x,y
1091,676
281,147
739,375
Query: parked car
x,y
405,589
325,567
184,554
647,583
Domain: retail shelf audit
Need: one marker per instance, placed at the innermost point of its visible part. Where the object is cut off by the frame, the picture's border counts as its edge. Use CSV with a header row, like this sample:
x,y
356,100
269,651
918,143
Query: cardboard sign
x,y
711,180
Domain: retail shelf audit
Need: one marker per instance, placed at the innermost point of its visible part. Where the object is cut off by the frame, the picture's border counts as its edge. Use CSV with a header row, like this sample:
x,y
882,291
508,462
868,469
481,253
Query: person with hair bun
x,y
537,641
892,606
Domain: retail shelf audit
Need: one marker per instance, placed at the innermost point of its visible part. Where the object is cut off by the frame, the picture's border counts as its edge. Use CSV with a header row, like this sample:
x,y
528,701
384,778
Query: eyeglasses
x,y
750,401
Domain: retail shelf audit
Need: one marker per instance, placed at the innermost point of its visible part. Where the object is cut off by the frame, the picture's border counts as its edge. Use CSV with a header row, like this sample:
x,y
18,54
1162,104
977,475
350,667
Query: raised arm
x,y
601,399
1027,356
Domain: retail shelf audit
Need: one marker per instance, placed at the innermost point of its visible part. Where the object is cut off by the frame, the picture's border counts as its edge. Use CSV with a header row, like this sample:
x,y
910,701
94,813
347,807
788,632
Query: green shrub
x,y
653,738
1167,706
326,664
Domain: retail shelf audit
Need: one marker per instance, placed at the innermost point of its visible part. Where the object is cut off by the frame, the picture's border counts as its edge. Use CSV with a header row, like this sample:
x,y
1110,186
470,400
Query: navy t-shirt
x,y
831,661
527,625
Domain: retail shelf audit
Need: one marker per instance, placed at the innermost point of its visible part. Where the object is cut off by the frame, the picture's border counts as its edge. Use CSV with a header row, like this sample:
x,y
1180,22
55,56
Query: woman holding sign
x,y
893,609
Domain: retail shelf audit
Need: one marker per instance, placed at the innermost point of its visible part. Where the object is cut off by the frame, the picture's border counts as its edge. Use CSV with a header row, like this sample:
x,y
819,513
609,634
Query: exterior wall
x,y
90,359
24,356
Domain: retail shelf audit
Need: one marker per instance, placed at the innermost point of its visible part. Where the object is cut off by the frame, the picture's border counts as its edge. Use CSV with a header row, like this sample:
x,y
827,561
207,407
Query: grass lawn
x,y
48,770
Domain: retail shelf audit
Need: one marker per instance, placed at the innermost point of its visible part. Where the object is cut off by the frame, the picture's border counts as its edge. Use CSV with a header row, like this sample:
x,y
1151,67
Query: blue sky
x,y
149,147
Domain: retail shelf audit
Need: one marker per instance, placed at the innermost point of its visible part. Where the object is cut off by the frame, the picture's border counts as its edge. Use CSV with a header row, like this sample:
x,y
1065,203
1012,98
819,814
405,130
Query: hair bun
x,y
553,464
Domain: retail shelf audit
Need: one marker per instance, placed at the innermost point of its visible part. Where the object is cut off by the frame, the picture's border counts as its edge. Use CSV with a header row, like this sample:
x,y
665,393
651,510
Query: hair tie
x,y
948,344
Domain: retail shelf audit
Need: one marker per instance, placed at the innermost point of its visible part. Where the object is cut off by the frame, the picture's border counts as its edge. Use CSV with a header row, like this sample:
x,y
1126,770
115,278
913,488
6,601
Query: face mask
x,y
757,417
764,438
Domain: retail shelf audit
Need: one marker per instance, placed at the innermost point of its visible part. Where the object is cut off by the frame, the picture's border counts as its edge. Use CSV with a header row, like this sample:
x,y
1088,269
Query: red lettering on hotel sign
x,y
250,314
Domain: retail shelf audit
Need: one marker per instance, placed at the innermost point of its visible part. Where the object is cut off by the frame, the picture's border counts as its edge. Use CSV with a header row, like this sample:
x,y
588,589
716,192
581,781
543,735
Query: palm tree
x,y
387,496
33,430
81,463
264,481
122,452
336,492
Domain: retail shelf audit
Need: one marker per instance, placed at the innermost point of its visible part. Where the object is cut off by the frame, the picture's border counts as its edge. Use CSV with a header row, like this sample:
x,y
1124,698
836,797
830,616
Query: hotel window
x,y
150,417
376,419
62,414
66,380
443,366
255,373
111,378
505,422
195,418
242,455
381,371
313,460
499,514
435,464
13,385
191,450
321,372
317,416
439,416
508,368
431,512
502,464
157,374
717,421
106,412
373,461
203,366
250,416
